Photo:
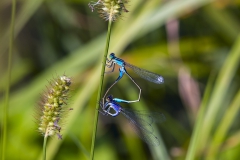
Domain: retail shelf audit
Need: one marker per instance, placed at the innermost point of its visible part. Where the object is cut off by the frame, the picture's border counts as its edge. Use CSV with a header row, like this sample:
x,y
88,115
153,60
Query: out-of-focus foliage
x,y
194,44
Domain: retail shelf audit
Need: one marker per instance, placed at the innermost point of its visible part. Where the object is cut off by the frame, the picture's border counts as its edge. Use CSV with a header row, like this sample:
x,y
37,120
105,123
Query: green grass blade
x,y
7,91
195,138
223,82
224,127
104,59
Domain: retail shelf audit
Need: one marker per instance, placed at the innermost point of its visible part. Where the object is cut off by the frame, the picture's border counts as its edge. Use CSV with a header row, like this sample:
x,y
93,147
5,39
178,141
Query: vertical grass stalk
x,y
44,146
110,10
5,108
100,89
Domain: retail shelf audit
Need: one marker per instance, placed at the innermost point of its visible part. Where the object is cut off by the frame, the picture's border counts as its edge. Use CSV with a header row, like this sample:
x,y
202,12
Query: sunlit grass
x,y
75,42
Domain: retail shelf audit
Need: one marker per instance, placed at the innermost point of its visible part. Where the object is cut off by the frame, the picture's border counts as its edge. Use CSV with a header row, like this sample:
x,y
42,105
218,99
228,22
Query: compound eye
x,y
108,99
112,55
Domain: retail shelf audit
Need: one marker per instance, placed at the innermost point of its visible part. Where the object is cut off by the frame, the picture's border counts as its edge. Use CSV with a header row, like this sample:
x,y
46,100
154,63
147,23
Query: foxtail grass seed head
x,y
109,10
52,107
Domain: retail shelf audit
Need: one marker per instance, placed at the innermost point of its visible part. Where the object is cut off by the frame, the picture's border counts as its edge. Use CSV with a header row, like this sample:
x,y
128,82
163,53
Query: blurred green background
x,y
194,44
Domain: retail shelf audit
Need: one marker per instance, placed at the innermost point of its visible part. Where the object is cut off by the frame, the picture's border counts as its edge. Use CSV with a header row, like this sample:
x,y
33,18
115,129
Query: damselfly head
x,y
109,98
112,55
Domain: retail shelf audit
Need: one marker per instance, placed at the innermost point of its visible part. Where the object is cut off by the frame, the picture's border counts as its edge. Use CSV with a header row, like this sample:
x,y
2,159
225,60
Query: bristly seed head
x,y
109,10
52,107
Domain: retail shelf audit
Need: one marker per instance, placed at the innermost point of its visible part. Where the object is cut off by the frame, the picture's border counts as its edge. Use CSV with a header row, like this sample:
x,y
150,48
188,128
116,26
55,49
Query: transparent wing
x,y
150,76
142,124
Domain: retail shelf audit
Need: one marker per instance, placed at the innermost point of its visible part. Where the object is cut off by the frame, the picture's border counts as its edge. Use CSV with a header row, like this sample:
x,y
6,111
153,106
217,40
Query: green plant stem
x,y
100,89
209,109
5,108
222,84
44,146
192,149
223,127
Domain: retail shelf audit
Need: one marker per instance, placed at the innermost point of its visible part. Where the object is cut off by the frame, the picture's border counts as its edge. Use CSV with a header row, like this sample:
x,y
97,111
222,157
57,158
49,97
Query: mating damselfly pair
x,y
140,120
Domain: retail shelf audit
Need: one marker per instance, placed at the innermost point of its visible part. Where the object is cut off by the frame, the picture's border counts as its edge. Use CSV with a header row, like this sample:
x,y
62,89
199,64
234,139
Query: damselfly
x,y
150,76
140,120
